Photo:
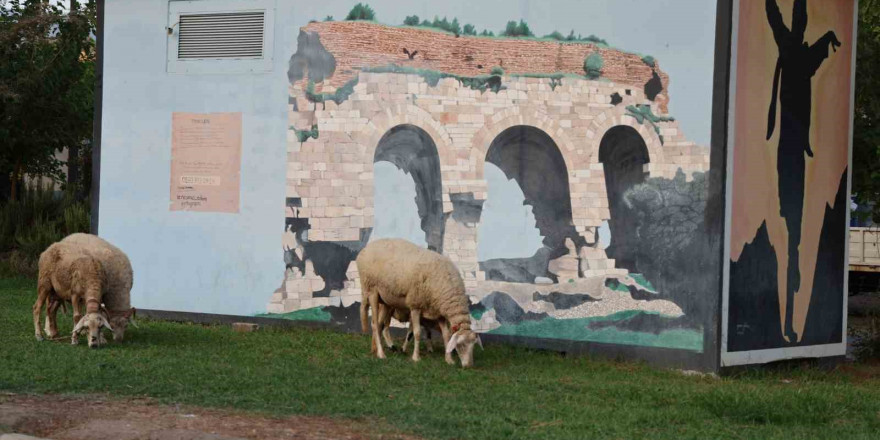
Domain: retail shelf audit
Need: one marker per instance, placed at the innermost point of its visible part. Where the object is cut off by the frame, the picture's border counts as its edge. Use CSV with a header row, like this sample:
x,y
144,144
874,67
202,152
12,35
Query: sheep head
x,y
119,320
462,341
92,323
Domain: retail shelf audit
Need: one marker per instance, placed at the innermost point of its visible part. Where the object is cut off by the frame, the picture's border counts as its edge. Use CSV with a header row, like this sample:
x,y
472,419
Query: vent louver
x,y
226,35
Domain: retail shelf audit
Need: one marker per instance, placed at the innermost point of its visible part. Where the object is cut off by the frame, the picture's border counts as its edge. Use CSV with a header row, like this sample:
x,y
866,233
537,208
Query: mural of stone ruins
x,y
549,172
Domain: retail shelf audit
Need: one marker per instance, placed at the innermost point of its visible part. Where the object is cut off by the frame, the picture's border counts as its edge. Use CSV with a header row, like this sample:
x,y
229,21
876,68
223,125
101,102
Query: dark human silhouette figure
x,y
792,82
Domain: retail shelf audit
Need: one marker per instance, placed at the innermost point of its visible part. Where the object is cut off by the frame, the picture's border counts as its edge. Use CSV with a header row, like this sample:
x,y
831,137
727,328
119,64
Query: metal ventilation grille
x,y
227,35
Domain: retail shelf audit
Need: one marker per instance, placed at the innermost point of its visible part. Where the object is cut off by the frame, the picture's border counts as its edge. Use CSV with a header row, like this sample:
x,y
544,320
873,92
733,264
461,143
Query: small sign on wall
x,y
205,162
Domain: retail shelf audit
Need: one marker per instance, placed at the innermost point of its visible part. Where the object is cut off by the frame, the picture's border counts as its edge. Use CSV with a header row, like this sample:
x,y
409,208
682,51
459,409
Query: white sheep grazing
x,y
118,281
67,273
402,275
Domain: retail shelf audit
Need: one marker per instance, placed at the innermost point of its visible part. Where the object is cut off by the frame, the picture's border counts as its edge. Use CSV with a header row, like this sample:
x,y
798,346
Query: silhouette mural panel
x,y
792,112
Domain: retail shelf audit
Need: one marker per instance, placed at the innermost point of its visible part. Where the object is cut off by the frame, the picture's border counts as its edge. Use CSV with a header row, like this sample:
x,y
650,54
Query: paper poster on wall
x,y
205,162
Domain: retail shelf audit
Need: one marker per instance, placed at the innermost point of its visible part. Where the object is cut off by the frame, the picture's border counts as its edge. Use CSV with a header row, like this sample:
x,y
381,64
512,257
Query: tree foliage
x,y
515,29
556,35
866,137
361,11
411,20
46,86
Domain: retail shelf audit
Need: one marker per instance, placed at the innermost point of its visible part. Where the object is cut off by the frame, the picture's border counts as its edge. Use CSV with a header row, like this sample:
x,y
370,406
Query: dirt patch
x,y
97,417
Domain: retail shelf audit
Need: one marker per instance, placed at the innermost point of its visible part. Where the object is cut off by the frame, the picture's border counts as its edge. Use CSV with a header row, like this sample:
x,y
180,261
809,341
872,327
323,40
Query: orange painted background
x,y
755,188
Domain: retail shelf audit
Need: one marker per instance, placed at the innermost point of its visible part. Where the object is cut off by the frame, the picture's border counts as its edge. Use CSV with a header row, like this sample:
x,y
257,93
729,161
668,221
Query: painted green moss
x,y
579,330
643,113
478,313
642,281
304,135
339,96
313,314
433,77
555,78
619,287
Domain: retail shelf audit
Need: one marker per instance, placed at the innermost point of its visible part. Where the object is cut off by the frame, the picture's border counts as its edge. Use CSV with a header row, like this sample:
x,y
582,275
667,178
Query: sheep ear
x,y
79,325
480,342
453,341
106,324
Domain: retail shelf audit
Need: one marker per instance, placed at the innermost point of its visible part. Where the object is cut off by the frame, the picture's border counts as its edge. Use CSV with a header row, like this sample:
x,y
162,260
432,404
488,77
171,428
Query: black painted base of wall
x,y
824,363
659,357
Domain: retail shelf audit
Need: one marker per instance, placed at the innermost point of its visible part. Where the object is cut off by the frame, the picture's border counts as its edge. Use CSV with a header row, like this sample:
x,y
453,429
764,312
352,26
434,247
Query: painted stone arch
x,y
395,115
521,116
388,137
624,155
411,150
617,117
532,158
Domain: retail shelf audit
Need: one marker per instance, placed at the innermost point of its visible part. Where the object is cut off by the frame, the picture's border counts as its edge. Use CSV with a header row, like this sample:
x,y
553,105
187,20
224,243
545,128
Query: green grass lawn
x,y
512,394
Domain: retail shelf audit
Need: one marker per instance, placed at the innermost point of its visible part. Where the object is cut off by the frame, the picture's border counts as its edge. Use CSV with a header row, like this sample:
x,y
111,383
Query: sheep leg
x,y
415,322
74,301
385,319
74,304
428,341
444,329
52,318
44,288
377,342
408,337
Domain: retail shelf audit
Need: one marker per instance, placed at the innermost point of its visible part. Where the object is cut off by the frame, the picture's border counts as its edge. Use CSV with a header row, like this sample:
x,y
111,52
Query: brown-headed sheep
x,y
402,275
67,273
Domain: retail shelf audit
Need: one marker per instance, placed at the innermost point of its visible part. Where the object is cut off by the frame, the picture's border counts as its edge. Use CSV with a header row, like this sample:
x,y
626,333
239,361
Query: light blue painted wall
x,y
230,263
205,262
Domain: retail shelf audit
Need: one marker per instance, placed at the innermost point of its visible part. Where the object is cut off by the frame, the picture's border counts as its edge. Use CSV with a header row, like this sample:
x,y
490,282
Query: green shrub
x,y
76,218
445,24
593,65
593,39
328,18
469,29
34,240
497,70
867,340
361,11
649,60
37,219
487,33
555,35
411,20
515,29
